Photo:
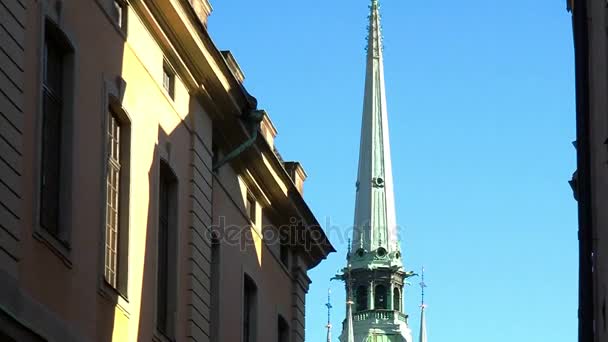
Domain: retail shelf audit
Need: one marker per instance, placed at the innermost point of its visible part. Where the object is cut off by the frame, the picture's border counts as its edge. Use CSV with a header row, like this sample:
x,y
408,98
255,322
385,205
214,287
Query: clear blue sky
x,y
482,116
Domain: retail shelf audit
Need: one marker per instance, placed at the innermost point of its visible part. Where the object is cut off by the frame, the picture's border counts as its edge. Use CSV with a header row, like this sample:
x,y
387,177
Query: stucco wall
x,y
247,253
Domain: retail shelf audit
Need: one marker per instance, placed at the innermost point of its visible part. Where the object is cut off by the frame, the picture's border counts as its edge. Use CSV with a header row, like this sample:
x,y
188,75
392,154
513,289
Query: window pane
x,y
53,69
51,156
112,202
166,271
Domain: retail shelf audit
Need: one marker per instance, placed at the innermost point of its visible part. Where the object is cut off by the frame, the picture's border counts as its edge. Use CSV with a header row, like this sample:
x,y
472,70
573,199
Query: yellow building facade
x,y
141,195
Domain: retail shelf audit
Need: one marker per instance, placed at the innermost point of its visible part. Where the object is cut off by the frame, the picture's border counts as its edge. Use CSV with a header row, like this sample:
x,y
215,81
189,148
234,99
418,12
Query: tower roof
x,y
375,219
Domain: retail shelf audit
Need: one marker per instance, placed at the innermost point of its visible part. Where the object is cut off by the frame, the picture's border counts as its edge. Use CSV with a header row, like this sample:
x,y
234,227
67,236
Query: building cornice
x,y
218,86
212,76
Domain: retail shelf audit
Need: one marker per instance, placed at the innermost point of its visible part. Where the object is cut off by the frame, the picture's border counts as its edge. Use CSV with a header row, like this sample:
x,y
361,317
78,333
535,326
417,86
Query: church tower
x,y
375,276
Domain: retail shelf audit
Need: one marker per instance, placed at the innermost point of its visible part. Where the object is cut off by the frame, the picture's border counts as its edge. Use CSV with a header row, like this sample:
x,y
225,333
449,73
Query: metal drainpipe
x,y
253,120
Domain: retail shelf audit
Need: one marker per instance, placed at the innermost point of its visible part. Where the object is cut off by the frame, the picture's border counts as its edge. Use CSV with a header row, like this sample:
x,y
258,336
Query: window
x,y
167,248
380,297
117,201
55,69
396,300
250,208
119,14
249,309
282,330
169,81
361,298
284,248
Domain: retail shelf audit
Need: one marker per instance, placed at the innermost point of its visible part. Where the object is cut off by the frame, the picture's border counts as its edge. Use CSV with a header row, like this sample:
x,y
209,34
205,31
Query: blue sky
x,y
481,112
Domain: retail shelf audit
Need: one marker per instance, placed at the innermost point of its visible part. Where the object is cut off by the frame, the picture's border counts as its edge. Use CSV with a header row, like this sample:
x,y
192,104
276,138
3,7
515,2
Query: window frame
x,y
362,297
170,75
114,110
250,310
59,241
108,8
380,297
397,299
284,247
251,208
167,328
122,21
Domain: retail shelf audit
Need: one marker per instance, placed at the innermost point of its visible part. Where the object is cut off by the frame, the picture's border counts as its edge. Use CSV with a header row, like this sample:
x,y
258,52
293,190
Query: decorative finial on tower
x,y
422,307
348,252
329,306
422,286
350,335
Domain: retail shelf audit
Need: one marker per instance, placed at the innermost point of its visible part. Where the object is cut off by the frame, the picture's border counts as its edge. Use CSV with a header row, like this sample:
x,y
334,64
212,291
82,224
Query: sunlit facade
x,y
141,194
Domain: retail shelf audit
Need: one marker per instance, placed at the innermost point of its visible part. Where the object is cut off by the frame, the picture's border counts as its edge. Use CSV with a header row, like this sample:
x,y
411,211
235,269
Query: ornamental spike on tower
x,y
375,277
329,306
422,337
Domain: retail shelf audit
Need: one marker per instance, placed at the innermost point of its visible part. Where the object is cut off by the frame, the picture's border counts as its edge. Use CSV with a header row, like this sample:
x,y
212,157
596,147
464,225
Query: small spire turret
x,y
329,306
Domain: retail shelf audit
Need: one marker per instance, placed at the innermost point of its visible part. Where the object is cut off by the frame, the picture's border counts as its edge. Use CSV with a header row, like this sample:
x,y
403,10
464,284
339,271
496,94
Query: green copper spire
x,y
375,278
375,224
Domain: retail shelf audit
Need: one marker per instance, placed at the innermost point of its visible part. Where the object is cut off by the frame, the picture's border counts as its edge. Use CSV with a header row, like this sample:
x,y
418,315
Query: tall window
x,y
167,248
54,56
249,309
361,298
284,242
282,330
117,190
112,200
380,297
396,300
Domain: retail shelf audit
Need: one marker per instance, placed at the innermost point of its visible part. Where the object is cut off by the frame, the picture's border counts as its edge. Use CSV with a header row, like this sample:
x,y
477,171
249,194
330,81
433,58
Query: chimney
x,y
297,174
202,9
233,65
269,132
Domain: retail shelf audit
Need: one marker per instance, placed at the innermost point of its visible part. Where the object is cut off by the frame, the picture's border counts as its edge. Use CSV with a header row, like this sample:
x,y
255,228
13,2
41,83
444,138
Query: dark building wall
x,y
590,27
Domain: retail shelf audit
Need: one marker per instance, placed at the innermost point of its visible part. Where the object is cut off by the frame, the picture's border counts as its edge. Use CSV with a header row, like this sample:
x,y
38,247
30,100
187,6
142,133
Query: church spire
x,y
375,221
375,272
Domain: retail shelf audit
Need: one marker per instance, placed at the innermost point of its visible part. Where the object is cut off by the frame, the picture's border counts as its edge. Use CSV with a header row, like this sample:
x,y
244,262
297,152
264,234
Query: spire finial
x,y
423,337
329,306
348,251
422,286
